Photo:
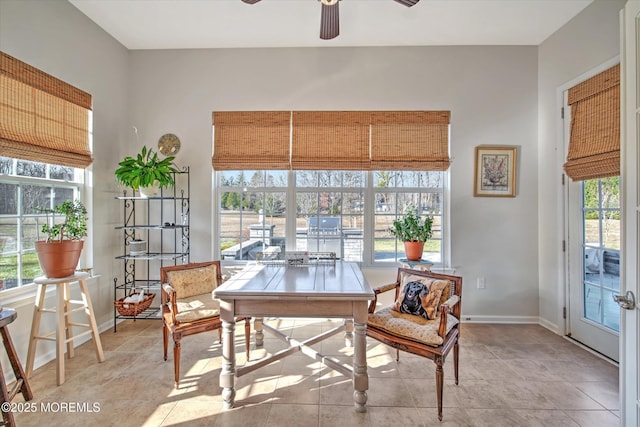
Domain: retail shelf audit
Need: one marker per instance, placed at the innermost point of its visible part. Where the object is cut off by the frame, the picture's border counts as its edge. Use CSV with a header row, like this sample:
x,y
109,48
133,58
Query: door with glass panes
x,y
594,263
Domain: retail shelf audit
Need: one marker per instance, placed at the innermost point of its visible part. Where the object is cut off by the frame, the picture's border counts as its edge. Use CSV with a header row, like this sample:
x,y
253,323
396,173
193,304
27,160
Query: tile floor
x,y
510,375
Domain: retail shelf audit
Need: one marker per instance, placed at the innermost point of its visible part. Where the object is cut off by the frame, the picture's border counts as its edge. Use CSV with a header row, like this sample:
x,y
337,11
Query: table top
x,y
339,281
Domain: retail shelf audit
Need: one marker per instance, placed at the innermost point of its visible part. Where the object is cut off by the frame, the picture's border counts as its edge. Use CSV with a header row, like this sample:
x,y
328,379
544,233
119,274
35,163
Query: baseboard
x,y
550,326
470,318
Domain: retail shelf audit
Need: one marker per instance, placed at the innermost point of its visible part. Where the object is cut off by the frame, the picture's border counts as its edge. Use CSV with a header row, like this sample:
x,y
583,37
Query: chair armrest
x,y
448,304
169,300
381,289
445,309
384,288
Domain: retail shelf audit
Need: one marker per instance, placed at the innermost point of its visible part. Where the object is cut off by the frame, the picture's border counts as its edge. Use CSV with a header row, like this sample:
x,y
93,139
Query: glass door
x,y
594,264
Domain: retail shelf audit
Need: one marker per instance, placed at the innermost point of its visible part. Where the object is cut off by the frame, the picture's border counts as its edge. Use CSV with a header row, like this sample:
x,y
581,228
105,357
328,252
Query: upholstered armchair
x,y
188,306
424,319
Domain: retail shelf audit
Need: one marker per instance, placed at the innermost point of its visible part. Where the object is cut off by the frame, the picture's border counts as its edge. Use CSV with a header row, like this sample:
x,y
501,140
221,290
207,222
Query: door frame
x,y
630,185
563,253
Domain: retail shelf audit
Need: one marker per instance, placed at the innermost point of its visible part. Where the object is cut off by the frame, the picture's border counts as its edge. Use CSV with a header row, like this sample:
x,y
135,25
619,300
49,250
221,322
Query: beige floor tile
x,y
521,375
292,415
594,418
605,393
343,416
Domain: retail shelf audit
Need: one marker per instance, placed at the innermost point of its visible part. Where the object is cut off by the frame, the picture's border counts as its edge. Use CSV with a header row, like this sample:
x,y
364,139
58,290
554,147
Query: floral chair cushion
x,y
409,326
193,281
420,295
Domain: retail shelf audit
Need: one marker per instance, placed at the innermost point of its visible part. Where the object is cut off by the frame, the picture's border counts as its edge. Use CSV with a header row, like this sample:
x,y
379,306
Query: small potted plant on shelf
x,y
413,231
146,172
60,252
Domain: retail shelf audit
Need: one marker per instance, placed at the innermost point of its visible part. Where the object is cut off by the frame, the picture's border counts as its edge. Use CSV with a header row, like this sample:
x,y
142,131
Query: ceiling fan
x,y
330,20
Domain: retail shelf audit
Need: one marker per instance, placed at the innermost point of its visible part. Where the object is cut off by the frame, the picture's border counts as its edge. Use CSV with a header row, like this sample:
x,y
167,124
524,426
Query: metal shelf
x,y
155,256
163,222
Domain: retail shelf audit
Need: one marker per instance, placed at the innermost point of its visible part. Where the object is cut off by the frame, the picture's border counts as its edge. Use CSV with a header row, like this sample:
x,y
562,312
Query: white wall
x,y
587,41
492,95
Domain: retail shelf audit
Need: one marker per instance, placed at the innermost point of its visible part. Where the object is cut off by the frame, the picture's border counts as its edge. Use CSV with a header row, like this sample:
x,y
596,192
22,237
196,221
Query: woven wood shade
x,y
337,140
246,140
413,140
594,145
41,117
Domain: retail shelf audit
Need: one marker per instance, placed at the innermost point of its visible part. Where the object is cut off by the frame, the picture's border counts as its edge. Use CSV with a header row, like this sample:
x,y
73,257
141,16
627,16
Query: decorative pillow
x,y
193,281
446,293
419,295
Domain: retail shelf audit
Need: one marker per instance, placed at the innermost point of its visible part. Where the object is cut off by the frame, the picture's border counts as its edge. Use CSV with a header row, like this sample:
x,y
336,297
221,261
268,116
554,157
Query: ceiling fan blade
x,y
251,1
329,21
407,3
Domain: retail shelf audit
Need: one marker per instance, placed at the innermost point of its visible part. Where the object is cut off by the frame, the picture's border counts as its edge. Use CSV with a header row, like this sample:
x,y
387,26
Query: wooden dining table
x,y
331,290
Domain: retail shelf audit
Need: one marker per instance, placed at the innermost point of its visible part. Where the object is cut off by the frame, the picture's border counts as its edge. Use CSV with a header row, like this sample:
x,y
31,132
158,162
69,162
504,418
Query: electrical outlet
x,y
480,282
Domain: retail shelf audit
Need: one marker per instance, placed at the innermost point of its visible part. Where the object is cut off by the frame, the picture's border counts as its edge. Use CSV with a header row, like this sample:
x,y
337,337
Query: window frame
x,y
368,189
76,185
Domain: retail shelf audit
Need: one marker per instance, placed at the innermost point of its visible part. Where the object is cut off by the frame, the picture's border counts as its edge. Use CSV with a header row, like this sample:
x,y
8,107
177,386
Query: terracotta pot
x,y
59,259
413,250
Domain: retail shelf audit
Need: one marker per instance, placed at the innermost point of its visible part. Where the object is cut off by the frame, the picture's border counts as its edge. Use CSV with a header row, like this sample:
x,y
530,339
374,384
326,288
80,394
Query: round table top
x,y
78,275
7,315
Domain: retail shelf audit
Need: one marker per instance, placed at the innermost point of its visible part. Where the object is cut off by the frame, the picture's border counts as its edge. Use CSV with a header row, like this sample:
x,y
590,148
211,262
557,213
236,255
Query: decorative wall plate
x,y
169,144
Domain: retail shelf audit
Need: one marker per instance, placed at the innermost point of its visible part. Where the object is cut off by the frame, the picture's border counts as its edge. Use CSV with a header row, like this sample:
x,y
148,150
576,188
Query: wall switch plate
x,y
480,282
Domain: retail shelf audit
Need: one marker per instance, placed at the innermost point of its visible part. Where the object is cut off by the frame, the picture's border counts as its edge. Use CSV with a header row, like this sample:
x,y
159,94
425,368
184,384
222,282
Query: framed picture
x,y
495,171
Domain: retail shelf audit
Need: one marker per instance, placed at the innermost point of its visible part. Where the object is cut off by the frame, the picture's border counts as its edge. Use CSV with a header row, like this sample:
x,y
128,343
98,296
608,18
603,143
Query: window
x,y
601,250
25,187
346,212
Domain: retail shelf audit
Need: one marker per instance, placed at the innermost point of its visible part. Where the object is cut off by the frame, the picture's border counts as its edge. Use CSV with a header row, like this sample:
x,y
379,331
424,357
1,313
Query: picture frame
x,y
495,171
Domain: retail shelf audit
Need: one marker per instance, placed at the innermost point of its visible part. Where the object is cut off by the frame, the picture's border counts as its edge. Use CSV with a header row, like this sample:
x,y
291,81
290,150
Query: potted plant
x,y
146,172
60,253
413,231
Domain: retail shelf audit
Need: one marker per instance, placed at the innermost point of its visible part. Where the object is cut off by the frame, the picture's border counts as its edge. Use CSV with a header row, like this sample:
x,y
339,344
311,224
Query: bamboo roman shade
x,y
594,145
42,118
337,140
331,140
245,140
413,140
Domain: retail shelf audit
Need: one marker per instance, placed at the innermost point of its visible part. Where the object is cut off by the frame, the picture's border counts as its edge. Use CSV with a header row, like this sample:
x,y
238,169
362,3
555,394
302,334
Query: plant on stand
x,y
146,172
413,231
60,252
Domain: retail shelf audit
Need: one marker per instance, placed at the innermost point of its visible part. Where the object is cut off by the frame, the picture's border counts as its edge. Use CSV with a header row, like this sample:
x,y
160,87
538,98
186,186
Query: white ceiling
x,y
187,24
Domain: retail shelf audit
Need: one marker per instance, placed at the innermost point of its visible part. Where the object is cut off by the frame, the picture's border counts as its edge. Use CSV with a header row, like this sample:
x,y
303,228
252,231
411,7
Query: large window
x,y
346,212
26,187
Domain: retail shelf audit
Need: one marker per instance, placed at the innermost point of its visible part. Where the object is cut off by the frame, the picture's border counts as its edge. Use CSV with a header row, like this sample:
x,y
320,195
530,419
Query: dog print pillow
x,y
420,296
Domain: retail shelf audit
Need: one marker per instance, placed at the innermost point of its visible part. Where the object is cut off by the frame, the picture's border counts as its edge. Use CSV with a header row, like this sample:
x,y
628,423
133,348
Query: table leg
x,y
257,325
360,377
348,332
227,375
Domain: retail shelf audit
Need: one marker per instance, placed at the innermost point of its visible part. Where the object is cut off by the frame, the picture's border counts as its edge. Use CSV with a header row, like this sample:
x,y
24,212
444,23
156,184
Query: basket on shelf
x,y
134,308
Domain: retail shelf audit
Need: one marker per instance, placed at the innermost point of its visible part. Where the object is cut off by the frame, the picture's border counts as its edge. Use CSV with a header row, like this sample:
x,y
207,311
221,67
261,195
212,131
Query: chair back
x,y
454,286
192,279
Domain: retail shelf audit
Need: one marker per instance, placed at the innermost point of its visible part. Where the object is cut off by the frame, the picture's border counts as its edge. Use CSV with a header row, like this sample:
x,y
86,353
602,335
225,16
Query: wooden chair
x,y
188,306
432,339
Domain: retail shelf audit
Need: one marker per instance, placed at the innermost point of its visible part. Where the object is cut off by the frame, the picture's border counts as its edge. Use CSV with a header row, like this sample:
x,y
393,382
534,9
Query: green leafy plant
x,y
145,169
74,226
412,228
